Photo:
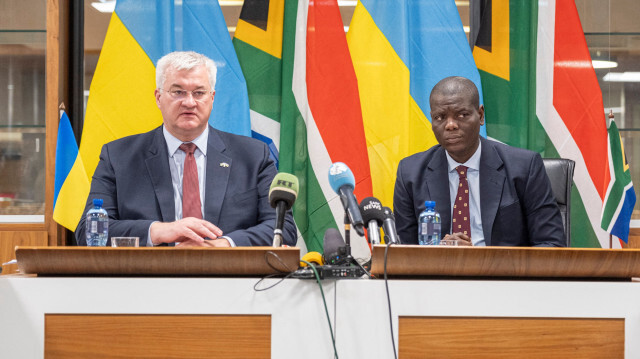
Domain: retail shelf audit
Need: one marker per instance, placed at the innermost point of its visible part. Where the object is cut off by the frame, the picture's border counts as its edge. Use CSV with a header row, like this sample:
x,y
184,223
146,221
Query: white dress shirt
x,y
473,178
176,166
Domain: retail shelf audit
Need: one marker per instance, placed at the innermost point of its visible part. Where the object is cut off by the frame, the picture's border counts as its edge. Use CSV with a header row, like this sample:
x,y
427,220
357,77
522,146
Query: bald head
x,y
456,117
458,85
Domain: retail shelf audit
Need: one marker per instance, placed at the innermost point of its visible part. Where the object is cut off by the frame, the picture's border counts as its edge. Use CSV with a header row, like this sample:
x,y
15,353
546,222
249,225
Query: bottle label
x,y
433,229
94,227
429,228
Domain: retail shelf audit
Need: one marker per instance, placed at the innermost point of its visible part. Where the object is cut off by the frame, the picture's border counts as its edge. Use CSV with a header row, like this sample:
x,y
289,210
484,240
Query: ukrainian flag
x,y
66,187
121,100
400,50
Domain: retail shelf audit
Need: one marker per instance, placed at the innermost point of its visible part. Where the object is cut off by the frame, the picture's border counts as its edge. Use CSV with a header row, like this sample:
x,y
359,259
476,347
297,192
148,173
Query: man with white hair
x,y
186,182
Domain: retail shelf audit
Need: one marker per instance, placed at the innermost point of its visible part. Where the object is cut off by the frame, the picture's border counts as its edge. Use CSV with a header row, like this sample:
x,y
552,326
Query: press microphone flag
x,y
282,195
372,214
342,182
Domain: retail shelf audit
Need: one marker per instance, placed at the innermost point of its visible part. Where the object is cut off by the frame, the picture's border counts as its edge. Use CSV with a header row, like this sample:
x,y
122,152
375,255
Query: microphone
x,y
389,225
373,216
282,195
334,248
342,182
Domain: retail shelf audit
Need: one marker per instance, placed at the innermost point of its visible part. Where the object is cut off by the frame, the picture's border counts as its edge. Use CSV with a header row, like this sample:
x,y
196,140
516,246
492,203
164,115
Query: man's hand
x,y
460,238
184,230
218,242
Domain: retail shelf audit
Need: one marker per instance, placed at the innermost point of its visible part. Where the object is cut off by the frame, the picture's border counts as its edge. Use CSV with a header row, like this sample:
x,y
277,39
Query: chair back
x,y
560,172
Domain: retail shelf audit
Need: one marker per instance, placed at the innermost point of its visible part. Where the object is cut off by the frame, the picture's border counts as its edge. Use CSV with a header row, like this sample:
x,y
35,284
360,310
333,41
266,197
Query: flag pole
x,y
608,124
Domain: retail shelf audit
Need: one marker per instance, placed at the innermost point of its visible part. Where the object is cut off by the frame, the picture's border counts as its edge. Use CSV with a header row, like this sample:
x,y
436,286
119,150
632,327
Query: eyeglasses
x,y
198,95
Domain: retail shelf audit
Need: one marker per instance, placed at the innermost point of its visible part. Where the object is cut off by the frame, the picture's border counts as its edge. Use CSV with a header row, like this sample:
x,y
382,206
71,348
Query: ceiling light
x,y
604,64
241,2
622,77
104,5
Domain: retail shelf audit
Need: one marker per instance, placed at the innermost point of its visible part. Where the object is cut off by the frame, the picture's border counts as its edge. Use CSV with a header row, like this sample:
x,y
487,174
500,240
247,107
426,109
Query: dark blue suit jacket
x,y
134,180
516,201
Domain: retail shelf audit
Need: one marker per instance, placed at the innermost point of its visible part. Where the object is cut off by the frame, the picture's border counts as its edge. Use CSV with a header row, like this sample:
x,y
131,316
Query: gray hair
x,y
184,60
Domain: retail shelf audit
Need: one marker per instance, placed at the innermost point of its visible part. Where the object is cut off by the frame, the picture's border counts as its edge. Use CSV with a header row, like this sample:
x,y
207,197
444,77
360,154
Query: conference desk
x,y
562,318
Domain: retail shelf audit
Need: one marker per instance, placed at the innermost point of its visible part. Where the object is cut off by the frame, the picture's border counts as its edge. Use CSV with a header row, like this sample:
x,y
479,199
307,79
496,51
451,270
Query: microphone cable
x,y
289,272
326,311
366,272
386,285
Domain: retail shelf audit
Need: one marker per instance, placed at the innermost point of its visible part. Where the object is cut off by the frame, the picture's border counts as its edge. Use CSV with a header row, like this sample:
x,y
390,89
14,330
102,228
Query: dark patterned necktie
x,y
190,189
461,218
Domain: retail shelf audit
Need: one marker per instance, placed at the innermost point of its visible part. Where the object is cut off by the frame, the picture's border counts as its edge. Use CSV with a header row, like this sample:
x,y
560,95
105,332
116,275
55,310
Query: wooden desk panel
x,y
515,262
10,239
280,316
157,261
81,336
358,309
459,337
634,238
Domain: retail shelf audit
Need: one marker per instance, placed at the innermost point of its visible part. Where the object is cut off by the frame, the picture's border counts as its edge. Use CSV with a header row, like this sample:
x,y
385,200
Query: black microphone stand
x,y
347,239
347,246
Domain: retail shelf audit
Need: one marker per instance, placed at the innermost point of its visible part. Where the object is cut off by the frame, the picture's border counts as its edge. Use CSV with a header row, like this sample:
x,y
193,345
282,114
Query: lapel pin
x,y
224,164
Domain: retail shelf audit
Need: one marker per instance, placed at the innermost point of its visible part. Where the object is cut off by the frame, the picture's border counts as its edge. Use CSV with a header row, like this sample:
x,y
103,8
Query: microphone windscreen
x,y
371,210
284,187
334,246
340,175
312,257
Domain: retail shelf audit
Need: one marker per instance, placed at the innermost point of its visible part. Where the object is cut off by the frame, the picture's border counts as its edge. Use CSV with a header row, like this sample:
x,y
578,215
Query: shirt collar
x,y
173,143
472,163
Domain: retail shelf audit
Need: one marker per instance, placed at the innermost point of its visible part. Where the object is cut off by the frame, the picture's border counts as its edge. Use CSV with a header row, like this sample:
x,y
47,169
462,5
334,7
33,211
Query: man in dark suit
x,y
510,201
185,182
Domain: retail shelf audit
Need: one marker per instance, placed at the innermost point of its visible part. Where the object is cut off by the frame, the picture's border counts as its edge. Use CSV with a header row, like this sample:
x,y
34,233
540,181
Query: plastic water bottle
x,y
429,225
97,225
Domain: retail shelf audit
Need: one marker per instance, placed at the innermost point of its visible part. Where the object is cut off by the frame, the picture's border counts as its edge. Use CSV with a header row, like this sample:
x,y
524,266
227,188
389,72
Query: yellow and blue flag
x,y
66,187
400,50
121,97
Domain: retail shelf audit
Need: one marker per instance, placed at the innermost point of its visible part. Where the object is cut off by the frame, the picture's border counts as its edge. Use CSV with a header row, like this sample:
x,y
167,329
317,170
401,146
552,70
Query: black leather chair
x,y
560,172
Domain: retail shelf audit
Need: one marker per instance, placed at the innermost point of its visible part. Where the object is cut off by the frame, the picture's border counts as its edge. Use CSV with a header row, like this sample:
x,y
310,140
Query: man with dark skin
x,y
510,197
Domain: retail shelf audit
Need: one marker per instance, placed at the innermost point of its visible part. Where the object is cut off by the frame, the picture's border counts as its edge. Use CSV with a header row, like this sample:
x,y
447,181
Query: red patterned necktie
x,y
190,189
461,218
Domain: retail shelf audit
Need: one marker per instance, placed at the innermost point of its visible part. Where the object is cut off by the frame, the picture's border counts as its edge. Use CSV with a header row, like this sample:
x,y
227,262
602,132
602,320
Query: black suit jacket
x,y
134,180
516,201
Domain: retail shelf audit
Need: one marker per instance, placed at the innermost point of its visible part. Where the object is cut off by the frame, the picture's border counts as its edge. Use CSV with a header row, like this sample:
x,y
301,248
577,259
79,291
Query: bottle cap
x,y
97,202
430,204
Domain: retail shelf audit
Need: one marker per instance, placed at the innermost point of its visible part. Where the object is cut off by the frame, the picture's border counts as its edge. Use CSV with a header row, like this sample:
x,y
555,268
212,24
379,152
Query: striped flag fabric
x,y
400,50
620,198
541,93
121,100
303,96
66,187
